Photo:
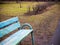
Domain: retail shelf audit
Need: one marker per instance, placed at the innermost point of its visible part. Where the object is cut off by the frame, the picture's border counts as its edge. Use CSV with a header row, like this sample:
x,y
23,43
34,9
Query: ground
x,y
44,24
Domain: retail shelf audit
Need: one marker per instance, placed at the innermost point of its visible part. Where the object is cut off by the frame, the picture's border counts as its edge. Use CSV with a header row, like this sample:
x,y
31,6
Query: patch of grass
x,y
44,15
14,8
41,23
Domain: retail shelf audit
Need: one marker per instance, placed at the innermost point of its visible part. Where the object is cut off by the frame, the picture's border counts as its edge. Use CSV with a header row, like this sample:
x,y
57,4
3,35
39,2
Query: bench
x,y
9,26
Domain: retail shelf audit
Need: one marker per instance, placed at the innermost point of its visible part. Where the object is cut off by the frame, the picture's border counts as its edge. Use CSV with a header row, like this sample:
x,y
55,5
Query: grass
x,y
45,22
14,8
40,17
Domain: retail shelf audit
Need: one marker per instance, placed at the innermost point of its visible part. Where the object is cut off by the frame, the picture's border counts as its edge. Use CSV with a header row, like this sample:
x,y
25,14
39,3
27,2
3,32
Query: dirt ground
x,y
43,30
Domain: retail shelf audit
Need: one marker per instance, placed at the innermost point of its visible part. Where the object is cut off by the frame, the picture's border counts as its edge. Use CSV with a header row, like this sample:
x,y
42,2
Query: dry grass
x,y
14,8
43,24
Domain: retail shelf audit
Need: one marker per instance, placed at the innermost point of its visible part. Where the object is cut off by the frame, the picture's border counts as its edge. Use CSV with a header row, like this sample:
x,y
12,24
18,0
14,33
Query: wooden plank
x,y
16,37
9,29
7,22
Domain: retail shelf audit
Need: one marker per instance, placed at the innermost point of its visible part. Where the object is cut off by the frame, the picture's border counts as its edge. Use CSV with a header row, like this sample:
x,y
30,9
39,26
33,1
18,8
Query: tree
x,y
18,1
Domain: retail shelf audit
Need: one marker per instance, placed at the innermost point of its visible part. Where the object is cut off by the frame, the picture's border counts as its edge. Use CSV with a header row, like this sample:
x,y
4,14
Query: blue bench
x,y
10,25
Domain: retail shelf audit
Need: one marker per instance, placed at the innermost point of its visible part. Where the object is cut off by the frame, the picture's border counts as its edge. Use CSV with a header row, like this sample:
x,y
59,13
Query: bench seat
x,y
16,37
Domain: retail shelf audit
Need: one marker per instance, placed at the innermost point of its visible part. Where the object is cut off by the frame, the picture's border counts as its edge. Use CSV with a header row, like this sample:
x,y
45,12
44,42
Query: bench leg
x,y
19,43
32,36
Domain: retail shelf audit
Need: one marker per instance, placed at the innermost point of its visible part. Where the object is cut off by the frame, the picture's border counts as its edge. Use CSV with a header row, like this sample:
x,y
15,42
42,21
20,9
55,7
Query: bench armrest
x,y
26,24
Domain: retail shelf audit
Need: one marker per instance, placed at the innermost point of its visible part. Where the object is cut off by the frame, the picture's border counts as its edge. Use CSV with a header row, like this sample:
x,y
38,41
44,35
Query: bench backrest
x,y
8,26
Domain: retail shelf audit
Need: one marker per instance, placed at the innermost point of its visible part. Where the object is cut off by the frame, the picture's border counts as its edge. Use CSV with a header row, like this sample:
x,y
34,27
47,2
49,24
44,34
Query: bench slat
x,y
16,37
9,29
9,21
